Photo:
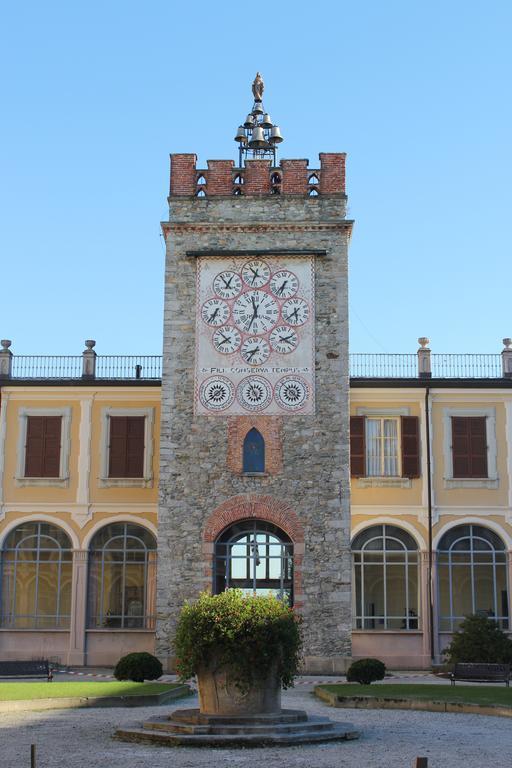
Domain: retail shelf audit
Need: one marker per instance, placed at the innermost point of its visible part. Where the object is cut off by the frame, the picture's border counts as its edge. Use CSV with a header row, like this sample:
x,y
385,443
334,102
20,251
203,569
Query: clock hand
x,y
255,273
293,314
286,338
225,339
252,352
282,287
215,313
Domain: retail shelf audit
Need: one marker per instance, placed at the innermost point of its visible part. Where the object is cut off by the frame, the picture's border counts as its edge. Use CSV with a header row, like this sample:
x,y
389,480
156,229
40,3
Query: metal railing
x,y
362,366
70,367
383,366
476,366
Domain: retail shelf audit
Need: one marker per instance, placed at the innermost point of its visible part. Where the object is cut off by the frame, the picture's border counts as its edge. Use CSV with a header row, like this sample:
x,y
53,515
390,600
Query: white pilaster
x,y
84,456
3,430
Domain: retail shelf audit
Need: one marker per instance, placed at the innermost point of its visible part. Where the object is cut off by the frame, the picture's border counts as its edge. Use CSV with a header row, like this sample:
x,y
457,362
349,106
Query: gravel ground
x,y
82,738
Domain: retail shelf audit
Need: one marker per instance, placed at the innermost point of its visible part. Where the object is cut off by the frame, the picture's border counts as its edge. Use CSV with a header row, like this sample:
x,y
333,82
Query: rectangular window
x,y
469,446
382,457
43,446
126,446
386,446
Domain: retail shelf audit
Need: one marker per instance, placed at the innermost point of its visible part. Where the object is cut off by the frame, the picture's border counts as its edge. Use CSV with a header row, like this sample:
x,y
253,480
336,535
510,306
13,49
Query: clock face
x,y
283,339
216,393
284,284
255,350
227,339
255,312
254,337
254,393
295,311
255,273
291,393
227,285
215,312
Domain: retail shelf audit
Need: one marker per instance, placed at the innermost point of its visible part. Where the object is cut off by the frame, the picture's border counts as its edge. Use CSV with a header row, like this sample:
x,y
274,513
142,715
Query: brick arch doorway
x,y
275,514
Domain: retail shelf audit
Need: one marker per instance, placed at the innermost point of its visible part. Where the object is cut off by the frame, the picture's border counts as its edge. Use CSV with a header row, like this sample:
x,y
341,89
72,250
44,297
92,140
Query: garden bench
x,y
481,673
26,669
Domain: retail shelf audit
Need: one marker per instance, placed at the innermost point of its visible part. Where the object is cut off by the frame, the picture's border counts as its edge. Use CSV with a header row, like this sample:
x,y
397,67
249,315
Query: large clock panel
x,y
255,336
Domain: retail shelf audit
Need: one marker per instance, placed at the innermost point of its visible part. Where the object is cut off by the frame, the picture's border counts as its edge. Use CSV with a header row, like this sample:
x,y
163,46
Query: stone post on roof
x,y
89,360
424,363
506,359
6,359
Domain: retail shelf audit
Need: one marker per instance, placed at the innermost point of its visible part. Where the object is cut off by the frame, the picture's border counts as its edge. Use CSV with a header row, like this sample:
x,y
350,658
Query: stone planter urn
x,y
219,695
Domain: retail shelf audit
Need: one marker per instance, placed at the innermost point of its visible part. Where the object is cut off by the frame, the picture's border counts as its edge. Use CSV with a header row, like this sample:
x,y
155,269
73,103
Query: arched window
x,y
122,572
385,579
254,452
256,557
36,573
472,576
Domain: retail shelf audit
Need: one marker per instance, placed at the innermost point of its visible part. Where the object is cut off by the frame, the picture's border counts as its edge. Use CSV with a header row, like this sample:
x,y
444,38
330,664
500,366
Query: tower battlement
x,y
258,177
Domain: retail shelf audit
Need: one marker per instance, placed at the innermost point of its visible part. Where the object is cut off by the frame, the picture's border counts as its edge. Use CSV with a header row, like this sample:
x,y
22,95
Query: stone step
x,y
170,726
192,716
339,732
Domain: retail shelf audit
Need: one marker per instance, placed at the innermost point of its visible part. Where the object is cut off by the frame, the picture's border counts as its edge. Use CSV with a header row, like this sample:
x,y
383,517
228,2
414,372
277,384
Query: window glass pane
x,y
390,447
122,578
36,577
461,590
373,447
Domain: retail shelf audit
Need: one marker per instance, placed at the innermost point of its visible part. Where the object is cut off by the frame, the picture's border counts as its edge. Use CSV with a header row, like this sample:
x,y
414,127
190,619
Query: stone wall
x,y
198,473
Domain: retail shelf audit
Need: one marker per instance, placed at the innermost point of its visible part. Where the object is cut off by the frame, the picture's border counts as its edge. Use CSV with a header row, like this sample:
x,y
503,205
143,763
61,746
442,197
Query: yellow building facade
x,y
431,503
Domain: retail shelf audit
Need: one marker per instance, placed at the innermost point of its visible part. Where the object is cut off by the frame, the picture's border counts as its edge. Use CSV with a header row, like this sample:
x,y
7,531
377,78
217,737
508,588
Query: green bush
x,y
252,635
138,667
479,639
365,671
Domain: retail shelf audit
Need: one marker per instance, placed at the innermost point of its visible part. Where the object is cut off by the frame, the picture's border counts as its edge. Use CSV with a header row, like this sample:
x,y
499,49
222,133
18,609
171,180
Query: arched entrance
x,y
255,556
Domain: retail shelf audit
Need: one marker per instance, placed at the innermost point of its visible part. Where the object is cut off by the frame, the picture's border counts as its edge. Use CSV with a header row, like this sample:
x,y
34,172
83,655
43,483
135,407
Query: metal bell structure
x,y
258,137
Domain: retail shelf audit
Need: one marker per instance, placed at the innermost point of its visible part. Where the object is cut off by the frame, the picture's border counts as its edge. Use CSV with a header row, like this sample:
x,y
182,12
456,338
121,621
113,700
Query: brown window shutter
x,y
469,446
52,437
34,446
42,448
126,449
410,446
478,446
135,447
357,446
117,446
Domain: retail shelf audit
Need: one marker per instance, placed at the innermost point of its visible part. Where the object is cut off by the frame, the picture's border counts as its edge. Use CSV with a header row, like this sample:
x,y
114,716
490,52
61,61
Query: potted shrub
x,y
243,650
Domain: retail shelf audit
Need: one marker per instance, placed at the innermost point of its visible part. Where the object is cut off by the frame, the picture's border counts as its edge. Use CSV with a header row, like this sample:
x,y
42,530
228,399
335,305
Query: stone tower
x,y
254,464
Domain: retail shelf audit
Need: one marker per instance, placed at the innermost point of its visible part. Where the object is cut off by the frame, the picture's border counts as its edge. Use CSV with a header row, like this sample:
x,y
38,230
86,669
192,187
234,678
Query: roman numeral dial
x,y
255,312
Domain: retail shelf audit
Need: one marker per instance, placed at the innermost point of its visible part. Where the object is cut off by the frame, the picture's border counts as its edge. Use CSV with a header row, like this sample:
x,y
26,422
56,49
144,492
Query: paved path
x,y
82,738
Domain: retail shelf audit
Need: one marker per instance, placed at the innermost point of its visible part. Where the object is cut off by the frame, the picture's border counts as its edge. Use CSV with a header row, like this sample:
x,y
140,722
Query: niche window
x,y
254,452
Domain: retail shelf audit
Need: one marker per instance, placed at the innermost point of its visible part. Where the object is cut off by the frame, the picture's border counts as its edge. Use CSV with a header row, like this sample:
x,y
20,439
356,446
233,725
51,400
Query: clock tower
x,y
254,475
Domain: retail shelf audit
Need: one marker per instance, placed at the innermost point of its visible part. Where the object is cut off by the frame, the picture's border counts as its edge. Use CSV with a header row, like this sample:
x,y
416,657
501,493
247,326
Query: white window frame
x,y
146,481
62,481
385,481
492,479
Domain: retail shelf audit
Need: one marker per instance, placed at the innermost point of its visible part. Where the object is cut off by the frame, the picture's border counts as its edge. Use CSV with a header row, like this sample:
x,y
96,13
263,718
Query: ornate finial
x,y
90,343
507,343
258,87
423,341
6,343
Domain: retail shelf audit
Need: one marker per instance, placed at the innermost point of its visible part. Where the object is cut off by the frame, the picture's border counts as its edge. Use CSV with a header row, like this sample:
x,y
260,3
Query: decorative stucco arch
x,y
41,518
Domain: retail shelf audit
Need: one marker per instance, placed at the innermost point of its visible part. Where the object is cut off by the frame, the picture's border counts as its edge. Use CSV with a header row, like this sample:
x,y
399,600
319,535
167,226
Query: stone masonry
x,y
307,487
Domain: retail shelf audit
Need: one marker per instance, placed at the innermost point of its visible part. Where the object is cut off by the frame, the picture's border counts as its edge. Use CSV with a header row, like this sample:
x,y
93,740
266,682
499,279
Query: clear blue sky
x,y
96,95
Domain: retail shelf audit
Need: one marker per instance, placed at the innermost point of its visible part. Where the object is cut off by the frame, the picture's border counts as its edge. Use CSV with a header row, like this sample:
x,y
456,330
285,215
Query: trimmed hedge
x,y
366,671
138,667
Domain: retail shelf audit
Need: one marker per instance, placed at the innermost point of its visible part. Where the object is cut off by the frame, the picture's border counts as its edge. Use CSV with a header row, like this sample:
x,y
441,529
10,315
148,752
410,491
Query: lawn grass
x,y
465,694
86,689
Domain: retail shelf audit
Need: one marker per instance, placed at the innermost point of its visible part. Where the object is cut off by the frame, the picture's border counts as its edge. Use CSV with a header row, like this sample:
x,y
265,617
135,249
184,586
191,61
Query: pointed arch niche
x,y
251,438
